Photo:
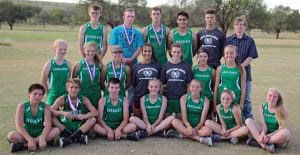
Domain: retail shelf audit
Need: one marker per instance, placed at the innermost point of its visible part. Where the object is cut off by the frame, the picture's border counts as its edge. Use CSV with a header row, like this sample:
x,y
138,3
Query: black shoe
x,y
51,142
83,139
64,141
161,133
133,136
142,134
173,134
252,142
14,147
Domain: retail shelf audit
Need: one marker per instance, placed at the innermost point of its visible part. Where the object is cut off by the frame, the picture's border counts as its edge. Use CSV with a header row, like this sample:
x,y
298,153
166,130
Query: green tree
x,y
45,17
4,6
58,14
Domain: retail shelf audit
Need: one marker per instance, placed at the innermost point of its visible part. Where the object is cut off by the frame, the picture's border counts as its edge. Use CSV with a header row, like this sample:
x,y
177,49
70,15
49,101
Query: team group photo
x,y
155,89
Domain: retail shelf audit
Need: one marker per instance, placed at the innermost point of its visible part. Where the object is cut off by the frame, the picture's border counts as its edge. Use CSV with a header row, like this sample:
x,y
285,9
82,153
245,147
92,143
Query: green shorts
x,y
113,125
35,132
173,106
51,98
72,126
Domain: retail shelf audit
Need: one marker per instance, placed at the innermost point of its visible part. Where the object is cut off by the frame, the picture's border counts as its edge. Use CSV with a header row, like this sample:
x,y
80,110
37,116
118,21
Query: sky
x,y
294,4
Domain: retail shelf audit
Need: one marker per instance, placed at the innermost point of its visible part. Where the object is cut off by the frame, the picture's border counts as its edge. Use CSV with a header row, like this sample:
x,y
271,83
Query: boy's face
x,y
129,17
210,19
155,15
182,21
94,15
73,89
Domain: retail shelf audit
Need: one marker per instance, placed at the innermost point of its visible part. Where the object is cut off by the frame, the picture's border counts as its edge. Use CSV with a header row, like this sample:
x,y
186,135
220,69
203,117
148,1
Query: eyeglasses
x,y
241,24
95,13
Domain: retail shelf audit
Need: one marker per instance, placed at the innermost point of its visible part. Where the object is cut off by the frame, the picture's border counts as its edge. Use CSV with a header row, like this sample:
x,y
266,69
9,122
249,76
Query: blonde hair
x,y
59,41
240,19
229,92
238,64
93,45
279,110
160,85
73,81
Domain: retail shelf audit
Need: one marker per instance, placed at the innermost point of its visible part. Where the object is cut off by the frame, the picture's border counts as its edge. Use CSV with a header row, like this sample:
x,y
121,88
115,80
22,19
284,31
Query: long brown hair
x,y
96,57
238,64
153,58
279,110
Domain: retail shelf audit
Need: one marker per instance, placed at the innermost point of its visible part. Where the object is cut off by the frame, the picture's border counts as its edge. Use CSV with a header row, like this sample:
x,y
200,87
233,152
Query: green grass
x,y
31,46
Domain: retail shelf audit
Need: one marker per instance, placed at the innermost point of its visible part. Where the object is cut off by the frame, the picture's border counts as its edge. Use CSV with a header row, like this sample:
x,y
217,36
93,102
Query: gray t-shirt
x,y
175,78
213,40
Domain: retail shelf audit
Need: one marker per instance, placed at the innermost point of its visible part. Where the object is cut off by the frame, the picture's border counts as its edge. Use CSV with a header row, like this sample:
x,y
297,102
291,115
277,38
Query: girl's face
x,y
73,89
195,87
176,53
226,100
230,54
113,89
203,58
147,52
90,52
36,96
272,98
117,55
154,87
61,50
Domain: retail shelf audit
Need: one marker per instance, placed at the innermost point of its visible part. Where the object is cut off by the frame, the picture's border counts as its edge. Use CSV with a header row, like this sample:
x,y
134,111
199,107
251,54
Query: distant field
x,y
31,46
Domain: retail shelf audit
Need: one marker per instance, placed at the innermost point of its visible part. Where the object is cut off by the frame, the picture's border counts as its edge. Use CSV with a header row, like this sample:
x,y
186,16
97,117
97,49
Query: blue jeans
x,y
247,109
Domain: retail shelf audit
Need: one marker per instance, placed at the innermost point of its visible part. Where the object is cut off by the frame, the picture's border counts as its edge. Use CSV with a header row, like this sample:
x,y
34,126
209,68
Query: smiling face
x,y
89,52
117,55
272,98
61,50
230,54
154,87
176,53
147,53
195,87
226,99
182,21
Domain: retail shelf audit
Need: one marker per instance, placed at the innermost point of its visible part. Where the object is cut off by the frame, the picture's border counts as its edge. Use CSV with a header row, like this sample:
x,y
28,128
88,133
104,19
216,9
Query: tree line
x,y
275,20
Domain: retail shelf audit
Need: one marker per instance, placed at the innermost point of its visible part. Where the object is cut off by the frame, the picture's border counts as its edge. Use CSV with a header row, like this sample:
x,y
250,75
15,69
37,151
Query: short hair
x,y
240,19
73,81
95,7
128,10
59,41
183,13
178,46
114,81
36,86
210,11
155,9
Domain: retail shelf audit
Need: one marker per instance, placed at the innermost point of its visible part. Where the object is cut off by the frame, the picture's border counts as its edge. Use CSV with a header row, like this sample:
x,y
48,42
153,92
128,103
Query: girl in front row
x,y
153,107
230,116
33,123
272,130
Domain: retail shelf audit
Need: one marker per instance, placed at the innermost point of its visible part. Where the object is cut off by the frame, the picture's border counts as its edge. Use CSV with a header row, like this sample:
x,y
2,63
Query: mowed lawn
x,y
31,46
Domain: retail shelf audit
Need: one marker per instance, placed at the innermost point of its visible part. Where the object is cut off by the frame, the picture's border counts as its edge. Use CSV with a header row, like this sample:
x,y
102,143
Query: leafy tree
x,y
45,17
4,6
58,14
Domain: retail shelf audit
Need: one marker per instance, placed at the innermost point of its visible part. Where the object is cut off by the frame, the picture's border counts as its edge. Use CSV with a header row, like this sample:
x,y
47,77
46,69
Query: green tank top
x,y
206,79
94,35
194,110
230,78
113,115
228,117
159,47
34,125
90,89
270,119
153,109
187,44
58,76
110,74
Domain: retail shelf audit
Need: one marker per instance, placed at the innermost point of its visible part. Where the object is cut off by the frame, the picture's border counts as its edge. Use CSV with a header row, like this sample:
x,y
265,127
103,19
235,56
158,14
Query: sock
x,y
65,133
76,135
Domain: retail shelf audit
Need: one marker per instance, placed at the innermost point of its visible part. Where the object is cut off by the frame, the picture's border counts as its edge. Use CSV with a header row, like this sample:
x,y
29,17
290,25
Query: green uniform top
x,y
228,117
230,79
58,76
187,44
270,119
194,110
110,74
153,109
113,115
34,125
159,47
90,89
72,125
94,35
206,79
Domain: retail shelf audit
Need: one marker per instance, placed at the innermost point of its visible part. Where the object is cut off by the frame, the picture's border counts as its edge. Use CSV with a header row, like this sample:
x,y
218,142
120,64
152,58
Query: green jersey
x,y
75,109
113,114
228,117
153,109
187,43
206,79
230,78
94,35
194,110
158,40
120,73
90,88
270,119
34,125
58,76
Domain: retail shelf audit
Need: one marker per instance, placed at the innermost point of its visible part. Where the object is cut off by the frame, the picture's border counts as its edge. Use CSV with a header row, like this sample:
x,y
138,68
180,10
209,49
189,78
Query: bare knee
x,y
249,121
208,122
286,133
175,122
132,119
245,130
170,118
10,136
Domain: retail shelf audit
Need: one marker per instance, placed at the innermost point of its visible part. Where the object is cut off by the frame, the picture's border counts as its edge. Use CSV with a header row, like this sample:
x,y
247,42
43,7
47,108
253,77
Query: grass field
x,y
24,51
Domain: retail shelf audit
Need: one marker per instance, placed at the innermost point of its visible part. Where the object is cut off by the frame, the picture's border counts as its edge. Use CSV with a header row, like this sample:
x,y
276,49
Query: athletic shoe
x,y
251,142
234,140
51,142
173,134
206,140
161,133
142,134
83,139
64,141
270,148
133,136
14,147
216,138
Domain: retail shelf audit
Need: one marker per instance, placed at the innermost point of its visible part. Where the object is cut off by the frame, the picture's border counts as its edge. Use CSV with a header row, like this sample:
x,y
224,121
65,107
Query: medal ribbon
x,y
72,106
127,37
156,36
91,75
114,70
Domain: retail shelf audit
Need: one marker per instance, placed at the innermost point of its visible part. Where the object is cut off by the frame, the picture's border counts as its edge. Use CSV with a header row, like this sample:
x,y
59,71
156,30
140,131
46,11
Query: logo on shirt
x,y
175,74
147,73
208,40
